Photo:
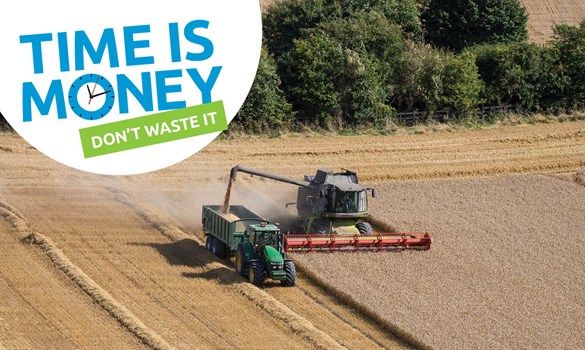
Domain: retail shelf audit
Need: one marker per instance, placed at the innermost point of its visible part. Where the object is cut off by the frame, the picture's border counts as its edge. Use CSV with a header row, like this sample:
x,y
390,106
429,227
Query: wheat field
x,y
100,262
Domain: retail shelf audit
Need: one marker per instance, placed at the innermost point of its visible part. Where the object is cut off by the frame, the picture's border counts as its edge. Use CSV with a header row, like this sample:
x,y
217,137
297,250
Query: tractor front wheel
x,y
257,273
291,274
241,263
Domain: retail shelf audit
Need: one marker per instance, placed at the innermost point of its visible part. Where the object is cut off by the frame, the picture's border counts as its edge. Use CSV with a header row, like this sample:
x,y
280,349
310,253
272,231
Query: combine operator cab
x,y
332,203
335,195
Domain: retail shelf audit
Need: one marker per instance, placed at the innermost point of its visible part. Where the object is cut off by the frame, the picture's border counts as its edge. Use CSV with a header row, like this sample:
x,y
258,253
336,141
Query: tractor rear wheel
x,y
241,263
257,273
291,274
365,228
218,248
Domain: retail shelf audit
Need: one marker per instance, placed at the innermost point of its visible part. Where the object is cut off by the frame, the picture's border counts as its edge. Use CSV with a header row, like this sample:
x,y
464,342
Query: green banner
x,y
153,129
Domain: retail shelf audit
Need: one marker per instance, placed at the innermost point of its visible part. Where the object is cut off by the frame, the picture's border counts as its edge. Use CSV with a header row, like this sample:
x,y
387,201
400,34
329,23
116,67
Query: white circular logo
x,y
119,87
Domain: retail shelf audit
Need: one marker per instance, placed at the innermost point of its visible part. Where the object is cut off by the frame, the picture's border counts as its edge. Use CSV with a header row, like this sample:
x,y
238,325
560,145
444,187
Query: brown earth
x,y
126,251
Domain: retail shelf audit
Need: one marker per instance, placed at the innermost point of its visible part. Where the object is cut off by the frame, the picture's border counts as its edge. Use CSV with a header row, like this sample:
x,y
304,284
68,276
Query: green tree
x,y
265,108
458,24
421,79
461,84
285,20
521,74
570,42
313,69
341,72
374,50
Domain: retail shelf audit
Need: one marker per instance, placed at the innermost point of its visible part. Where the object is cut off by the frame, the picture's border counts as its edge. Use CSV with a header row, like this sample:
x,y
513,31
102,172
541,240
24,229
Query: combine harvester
x,y
332,209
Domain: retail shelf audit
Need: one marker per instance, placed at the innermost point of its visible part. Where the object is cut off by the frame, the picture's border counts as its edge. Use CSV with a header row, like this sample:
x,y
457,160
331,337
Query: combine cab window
x,y
347,202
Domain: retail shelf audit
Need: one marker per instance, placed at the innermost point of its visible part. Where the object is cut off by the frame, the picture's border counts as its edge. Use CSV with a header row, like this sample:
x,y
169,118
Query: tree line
x,y
335,64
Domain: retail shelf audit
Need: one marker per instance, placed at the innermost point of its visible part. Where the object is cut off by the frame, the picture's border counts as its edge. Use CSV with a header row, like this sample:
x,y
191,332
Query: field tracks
x,y
101,297
298,324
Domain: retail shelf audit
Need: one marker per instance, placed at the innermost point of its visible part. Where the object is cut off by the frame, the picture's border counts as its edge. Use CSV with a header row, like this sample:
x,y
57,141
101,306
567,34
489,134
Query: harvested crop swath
x,y
40,307
173,287
505,270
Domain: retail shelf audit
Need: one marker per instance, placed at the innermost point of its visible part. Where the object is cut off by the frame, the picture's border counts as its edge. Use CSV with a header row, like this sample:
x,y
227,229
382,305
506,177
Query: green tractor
x,y
257,244
262,255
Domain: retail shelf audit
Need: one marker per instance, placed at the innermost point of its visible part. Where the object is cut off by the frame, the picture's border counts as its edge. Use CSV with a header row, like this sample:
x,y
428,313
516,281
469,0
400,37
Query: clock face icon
x,y
91,96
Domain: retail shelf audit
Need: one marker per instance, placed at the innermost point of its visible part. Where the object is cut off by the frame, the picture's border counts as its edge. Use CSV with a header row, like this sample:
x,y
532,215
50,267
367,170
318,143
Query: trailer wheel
x,y
257,273
241,263
218,248
291,274
365,228
208,242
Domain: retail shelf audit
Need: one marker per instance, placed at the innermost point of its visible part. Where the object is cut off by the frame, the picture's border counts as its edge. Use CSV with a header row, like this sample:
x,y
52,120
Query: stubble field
x,y
116,262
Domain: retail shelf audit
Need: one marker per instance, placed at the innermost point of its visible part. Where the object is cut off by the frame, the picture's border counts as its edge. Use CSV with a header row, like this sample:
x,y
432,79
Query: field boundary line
x,y
276,309
97,294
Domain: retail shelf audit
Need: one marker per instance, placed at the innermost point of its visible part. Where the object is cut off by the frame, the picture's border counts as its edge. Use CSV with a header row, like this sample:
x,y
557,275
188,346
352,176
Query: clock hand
x,y
101,93
94,86
89,92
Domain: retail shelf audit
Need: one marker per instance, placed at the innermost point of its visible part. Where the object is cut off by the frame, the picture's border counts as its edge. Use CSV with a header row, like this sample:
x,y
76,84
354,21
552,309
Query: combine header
x,y
332,213
340,242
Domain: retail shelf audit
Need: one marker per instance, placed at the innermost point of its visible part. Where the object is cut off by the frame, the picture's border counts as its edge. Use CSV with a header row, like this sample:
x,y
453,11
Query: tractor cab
x,y
265,235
